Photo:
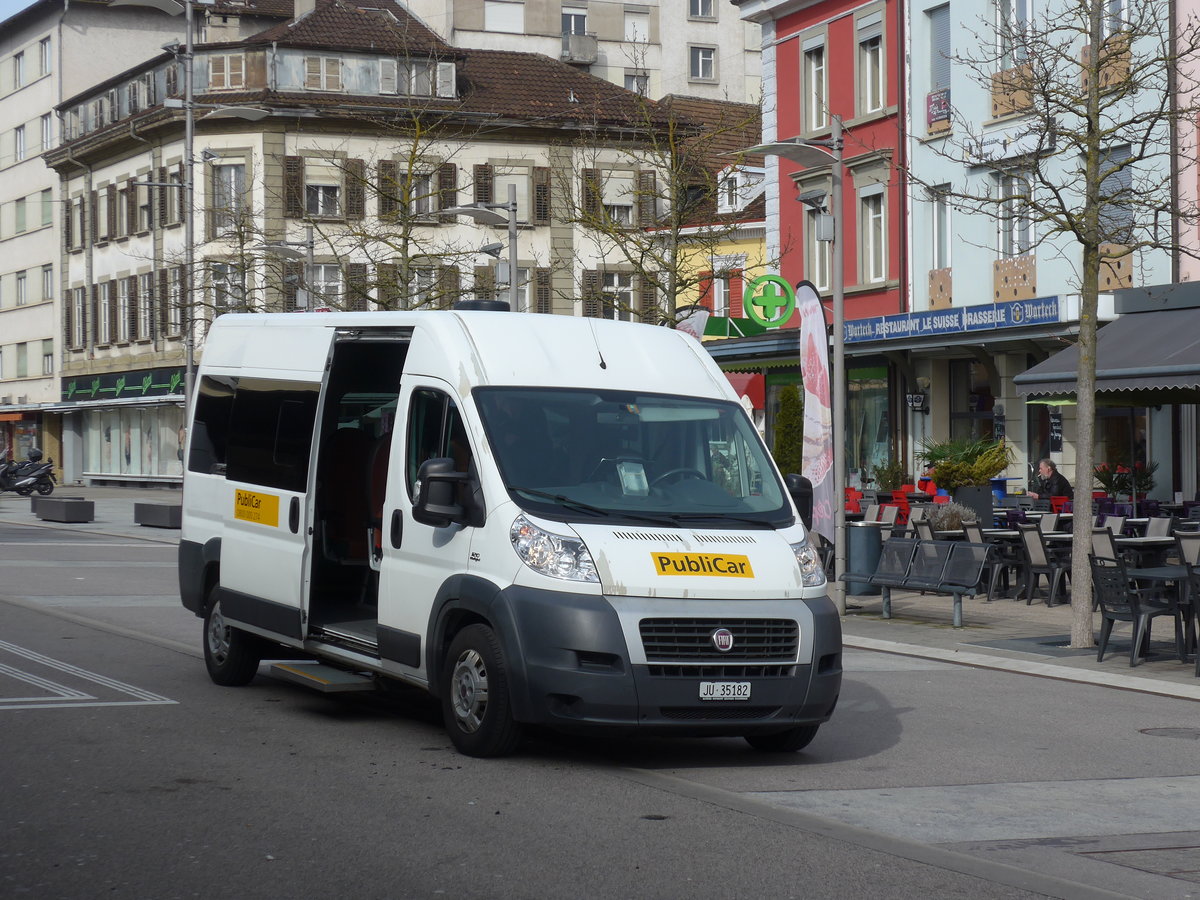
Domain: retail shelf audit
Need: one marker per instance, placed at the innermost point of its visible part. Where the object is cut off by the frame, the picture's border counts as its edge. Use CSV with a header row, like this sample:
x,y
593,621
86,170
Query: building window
x,y
19,143
323,73
18,70
228,287
173,194
47,207
518,176
941,226
870,63
720,294
1016,222
637,28
1116,17
523,282
78,335
47,282
617,295
1116,196
44,61
19,216
175,300
22,360
702,63
499,15
617,197
873,236
103,320
47,131
228,72
420,193
145,306
816,90
141,196
701,9
638,82
124,308
47,356
22,289
229,183
321,199
939,48
325,285
816,252
424,287
1013,18
574,21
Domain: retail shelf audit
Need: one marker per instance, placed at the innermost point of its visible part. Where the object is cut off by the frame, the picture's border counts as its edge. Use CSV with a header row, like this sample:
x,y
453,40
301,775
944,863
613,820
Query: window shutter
x,y
387,291
293,187
95,308
736,283
93,216
387,76
483,183
446,80
67,225
162,196
68,310
448,286
706,290
237,71
591,293
542,301
647,299
131,314
485,283
355,176
541,195
111,337
939,48
112,211
312,72
151,305
164,298
647,199
130,209
356,287
385,189
447,189
293,274
589,193
217,77
213,197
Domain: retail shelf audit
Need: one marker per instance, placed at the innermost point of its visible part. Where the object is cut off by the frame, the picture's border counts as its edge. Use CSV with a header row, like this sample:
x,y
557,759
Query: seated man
x,y
1051,482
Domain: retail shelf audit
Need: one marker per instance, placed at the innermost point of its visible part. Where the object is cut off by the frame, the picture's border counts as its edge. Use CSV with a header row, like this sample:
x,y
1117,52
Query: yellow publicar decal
x,y
728,565
252,507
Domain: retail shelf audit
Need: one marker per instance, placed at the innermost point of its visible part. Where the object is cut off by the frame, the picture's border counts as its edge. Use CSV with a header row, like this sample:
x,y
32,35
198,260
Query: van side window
x,y
270,432
435,429
210,425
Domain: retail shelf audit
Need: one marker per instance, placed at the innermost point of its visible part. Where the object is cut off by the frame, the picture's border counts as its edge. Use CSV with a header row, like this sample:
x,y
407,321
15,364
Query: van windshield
x,y
568,453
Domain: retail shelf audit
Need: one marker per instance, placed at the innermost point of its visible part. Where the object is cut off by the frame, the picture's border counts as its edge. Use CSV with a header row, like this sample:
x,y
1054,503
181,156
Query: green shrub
x,y
788,448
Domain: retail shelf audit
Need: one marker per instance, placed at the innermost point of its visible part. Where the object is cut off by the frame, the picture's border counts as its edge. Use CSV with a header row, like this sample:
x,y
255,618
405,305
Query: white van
x,y
539,519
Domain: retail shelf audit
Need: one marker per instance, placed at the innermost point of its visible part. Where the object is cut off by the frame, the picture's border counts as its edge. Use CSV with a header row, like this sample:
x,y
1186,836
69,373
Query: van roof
x,y
476,348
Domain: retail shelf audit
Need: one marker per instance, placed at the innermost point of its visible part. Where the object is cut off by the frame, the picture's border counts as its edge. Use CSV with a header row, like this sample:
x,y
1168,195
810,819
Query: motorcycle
x,y
11,479
32,475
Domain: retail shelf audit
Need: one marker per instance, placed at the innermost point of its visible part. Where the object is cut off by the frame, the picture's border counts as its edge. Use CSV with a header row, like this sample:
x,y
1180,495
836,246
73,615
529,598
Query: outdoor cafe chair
x,y
1048,522
924,529
1161,526
1057,503
1188,544
1114,523
1039,562
872,513
888,514
999,560
1120,599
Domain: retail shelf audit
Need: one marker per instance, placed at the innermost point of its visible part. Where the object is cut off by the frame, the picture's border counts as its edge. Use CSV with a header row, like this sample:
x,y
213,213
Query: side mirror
x,y
437,484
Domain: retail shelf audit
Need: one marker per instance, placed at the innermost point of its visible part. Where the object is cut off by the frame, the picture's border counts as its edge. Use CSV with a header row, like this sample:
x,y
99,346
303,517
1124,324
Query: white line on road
x,y
141,696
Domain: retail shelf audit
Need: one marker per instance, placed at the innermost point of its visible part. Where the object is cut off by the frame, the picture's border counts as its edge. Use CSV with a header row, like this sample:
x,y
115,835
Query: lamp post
x,y
483,214
814,153
290,249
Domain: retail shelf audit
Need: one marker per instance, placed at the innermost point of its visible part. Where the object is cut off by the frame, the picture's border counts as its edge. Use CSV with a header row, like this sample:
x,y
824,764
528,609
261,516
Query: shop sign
x,y
123,385
961,320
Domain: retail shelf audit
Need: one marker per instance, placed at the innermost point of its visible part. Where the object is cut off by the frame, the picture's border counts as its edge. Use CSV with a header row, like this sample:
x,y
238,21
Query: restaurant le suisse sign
x,y
960,320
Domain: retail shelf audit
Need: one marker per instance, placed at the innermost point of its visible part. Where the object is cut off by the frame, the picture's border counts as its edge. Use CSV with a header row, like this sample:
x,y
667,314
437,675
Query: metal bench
x,y
954,568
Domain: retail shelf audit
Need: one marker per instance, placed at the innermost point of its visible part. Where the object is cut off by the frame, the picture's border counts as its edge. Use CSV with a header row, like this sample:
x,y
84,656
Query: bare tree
x,y
1098,95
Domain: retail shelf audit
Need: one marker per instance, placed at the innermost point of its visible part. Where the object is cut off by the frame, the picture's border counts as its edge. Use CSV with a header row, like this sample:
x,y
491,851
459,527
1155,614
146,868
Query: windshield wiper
x,y
696,517
563,500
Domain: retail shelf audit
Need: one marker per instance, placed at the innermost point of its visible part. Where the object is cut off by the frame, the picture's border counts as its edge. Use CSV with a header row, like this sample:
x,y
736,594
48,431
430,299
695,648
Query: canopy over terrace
x,y
1150,356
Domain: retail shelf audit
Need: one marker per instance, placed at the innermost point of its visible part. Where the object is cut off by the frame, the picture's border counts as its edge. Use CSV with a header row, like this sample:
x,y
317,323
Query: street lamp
x,y
484,215
290,250
813,153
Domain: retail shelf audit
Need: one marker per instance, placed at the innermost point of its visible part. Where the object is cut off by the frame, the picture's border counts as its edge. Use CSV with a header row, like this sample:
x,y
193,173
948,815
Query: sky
x,y
9,7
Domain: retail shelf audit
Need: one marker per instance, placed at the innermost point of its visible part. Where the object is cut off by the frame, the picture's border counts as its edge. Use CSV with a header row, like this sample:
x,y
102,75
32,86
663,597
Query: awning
x,y
1142,359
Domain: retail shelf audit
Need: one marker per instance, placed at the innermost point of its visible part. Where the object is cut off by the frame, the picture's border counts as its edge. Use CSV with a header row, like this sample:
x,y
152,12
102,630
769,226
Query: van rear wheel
x,y
476,704
231,655
784,741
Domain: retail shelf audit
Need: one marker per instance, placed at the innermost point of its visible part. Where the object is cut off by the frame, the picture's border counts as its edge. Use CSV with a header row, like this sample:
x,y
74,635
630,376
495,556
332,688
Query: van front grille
x,y
722,673
690,640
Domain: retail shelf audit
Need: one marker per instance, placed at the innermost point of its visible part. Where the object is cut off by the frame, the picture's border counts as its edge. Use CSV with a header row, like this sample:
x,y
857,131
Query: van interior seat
x,y
342,499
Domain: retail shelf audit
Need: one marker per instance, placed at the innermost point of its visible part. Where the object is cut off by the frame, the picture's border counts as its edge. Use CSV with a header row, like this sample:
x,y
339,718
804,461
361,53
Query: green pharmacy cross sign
x,y
769,300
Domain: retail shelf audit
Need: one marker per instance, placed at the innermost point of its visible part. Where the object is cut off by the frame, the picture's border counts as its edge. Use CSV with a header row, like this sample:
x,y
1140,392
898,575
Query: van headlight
x,y
812,573
551,554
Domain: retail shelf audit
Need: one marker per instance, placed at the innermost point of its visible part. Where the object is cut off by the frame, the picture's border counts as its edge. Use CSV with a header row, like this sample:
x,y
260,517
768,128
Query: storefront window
x,y
133,442
971,401
868,424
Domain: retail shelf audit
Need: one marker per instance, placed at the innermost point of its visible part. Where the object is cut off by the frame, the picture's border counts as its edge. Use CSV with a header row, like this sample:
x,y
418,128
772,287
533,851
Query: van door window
x,y
435,429
270,433
210,424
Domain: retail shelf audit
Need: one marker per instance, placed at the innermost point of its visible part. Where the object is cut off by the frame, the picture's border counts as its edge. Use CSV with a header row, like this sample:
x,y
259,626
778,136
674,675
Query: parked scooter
x,y
41,472
13,480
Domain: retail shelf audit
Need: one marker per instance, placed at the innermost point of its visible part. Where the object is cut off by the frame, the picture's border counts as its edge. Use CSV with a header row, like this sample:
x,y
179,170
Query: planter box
x,y
158,515
978,498
65,509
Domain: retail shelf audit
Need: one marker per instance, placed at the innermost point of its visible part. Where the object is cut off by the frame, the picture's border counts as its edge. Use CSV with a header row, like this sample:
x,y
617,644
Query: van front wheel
x,y
231,656
475,695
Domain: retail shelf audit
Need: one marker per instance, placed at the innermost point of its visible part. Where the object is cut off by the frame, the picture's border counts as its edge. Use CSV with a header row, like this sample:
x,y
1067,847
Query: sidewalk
x,y
1004,634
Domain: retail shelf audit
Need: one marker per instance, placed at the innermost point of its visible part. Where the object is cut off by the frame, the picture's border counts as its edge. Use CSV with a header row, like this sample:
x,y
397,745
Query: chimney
x,y
303,7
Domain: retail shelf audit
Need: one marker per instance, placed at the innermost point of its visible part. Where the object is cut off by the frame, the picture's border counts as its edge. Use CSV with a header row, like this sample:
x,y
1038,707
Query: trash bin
x,y
801,490
864,544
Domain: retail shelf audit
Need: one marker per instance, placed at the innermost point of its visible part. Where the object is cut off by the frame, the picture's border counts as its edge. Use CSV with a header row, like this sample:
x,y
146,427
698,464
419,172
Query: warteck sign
x,y
982,317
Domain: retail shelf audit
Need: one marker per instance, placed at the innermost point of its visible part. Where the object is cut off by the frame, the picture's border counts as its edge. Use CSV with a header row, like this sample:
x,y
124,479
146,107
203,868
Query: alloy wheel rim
x,y
469,690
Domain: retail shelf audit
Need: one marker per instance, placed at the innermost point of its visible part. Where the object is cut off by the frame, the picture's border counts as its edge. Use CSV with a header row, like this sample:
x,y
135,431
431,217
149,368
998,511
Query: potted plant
x,y
890,475
965,469
1123,479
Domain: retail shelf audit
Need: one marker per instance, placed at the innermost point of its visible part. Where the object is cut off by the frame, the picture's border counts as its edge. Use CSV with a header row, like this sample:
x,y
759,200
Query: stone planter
x,y
977,497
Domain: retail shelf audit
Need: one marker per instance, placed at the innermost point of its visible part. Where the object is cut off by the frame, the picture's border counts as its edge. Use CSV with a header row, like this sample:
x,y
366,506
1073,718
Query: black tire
x,y
784,741
25,491
231,655
45,488
476,703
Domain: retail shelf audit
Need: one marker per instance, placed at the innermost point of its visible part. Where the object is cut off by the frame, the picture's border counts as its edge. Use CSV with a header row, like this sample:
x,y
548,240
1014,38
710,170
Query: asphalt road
x,y
125,773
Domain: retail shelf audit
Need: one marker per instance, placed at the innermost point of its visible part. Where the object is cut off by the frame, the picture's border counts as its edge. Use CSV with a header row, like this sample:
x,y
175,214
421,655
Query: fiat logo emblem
x,y
722,639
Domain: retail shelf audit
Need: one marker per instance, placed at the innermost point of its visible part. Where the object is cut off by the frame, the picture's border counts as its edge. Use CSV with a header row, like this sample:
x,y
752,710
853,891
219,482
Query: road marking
x,y
69,697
